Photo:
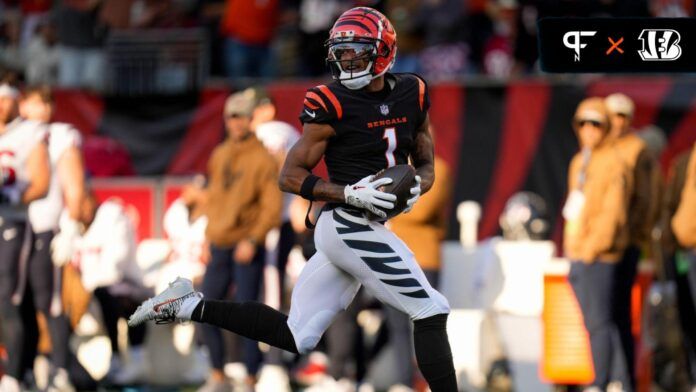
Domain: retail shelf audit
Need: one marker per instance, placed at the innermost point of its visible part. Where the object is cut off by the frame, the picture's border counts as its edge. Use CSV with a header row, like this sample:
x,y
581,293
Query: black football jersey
x,y
373,131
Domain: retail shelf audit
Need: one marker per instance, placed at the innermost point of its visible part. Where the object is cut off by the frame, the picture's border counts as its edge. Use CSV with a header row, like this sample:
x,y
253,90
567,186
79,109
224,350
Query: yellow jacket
x,y
684,220
244,201
423,228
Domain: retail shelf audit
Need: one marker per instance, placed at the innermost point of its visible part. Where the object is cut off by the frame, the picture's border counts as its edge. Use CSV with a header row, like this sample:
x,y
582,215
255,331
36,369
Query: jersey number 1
x,y
390,135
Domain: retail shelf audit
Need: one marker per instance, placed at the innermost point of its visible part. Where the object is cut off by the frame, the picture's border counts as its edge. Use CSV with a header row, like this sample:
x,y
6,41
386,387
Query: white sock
x,y
188,306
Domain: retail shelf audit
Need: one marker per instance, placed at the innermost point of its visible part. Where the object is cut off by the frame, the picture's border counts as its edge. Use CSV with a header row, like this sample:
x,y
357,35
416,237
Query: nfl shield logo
x,y
384,109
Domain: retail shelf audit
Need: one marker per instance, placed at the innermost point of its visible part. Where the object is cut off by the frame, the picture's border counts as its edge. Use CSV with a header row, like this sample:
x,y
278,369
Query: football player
x,y
365,120
105,255
66,189
24,177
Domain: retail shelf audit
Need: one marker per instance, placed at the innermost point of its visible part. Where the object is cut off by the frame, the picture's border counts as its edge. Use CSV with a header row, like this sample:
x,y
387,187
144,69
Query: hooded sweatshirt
x,y
244,201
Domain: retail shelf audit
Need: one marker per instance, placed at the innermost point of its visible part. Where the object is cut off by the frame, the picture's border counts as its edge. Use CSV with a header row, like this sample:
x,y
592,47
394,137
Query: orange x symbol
x,y
615,45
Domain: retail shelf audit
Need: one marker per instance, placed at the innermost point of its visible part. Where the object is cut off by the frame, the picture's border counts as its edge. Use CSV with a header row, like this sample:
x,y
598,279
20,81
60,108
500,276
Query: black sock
x,y
252,320
433,353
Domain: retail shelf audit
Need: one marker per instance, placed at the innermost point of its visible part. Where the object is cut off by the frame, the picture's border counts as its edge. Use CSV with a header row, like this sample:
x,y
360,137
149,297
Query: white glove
x,y
64,243
416,192
364,194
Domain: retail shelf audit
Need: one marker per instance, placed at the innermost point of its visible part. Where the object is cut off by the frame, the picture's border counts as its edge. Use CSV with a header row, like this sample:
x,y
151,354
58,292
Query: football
x,y
403,179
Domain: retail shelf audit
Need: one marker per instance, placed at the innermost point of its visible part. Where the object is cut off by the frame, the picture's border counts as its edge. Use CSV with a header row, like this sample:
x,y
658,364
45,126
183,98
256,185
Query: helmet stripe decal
x,y
310,105
352,23
333,99
421,92
315,97
360,17
378,22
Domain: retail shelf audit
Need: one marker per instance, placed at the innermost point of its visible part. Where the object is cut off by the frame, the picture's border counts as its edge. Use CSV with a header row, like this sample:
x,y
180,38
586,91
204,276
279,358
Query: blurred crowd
x,y
63,41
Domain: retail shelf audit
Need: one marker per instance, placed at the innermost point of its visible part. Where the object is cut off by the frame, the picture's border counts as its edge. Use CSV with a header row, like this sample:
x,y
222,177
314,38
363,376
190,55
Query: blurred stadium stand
x,y
158,61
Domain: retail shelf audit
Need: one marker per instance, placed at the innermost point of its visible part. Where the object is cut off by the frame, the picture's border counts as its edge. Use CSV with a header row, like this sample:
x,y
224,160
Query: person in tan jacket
x,y
683,224
674,256
684,219
243,204
642,204
596,233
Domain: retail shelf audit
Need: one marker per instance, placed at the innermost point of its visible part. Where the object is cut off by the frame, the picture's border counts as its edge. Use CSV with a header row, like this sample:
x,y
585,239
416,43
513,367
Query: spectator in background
x,y
12,53
668,8
498,59
25,175
684,224
244,204
316,19
184,224
445,55
44,55
248,28
422,229
209,15
66,189
642,198
155,14
34,14
80,36
104,253
278,137
596,234
403,15
675,260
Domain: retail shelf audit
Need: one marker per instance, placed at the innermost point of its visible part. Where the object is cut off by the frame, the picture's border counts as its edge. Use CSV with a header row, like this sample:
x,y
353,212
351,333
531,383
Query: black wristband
x,y
307,188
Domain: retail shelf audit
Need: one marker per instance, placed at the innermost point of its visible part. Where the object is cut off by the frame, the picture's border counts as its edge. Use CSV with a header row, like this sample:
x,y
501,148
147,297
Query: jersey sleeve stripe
x,y
310,105
315,97
421,92
334,101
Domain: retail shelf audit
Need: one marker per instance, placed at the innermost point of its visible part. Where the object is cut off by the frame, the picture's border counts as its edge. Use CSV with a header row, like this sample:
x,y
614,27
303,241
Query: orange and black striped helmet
x,y
369,36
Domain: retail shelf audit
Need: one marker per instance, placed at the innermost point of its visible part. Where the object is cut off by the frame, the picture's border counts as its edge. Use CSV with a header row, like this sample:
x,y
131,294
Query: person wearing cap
x,y
244,204
595,233
642,209
24,177
278,137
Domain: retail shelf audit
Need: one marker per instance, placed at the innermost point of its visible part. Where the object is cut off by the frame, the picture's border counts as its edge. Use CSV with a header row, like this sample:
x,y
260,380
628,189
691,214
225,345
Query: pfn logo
x,y
571,40
660,45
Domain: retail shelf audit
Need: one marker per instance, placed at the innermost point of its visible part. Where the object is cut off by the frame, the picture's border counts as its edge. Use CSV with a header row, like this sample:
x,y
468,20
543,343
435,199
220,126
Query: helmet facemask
x,y
352,62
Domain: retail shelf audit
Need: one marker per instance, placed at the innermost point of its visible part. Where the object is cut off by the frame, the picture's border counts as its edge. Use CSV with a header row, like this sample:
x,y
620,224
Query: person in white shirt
x,y
24,177
278,137
184,225
105,255
66,190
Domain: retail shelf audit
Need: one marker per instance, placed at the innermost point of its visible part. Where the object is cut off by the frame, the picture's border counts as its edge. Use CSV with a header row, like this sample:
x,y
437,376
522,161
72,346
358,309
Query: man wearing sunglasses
x,y
595,234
